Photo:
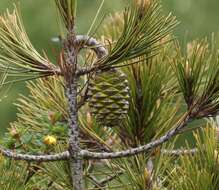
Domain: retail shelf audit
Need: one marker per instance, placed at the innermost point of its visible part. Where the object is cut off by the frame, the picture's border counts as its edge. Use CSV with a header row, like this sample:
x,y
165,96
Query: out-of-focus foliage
x,y
198,18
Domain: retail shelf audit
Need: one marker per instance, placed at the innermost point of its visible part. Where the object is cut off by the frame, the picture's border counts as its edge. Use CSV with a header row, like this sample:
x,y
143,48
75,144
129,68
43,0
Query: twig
x,y
49,185
104,155
39,158
84,97
31,171
180,152
72,45
110,178
97,47
107,155
103,182
95,180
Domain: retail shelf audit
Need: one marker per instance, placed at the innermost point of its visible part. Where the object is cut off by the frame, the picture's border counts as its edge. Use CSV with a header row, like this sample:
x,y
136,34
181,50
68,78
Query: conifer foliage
x,y
112,118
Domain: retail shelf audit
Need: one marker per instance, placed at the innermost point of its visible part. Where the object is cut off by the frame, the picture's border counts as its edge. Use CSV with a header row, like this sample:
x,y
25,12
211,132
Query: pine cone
x,y
109,97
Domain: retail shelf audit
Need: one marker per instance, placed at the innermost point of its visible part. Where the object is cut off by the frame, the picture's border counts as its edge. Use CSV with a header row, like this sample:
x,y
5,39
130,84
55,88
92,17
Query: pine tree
x,y
111,118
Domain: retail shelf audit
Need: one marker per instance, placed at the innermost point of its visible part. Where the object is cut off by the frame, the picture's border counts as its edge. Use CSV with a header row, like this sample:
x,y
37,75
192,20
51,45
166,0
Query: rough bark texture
x,y
138,150
71,49
72,46
97,47
76,162
42,158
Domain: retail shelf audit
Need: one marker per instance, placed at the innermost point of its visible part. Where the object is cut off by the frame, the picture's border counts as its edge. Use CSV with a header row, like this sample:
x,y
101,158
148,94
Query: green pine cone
x,y
109,97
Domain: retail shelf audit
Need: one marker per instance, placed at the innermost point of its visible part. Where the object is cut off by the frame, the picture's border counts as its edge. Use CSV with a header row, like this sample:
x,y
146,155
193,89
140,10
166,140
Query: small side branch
x,y
180,152
97,47
106,155
95,155
101,183
38,158
65,155
84,97
110,178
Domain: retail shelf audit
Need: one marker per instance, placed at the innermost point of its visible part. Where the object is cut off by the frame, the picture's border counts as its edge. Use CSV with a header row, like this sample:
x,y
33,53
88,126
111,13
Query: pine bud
x,y
50,140
147,174
147,179
14,133
52,117
89,120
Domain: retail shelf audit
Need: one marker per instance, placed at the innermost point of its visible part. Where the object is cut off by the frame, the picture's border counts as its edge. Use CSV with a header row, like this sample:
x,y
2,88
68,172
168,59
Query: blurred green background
x,y
197,18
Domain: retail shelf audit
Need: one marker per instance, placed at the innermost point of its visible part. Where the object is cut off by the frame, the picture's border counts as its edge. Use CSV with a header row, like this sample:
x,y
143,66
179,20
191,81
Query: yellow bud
x,y
50,140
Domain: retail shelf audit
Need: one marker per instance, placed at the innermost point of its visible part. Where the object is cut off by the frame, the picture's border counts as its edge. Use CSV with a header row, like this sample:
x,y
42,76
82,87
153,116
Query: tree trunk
x,y
69,70
76,162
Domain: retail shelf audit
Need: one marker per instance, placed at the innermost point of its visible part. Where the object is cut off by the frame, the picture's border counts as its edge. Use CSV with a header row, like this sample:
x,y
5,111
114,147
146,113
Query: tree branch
x,y
38,158
106,155
65,155
110,178
97,47
180,152
95,155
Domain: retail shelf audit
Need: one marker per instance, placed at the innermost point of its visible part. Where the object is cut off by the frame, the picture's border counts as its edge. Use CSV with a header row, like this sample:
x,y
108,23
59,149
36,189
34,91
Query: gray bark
x,y
97,47
41,158
76,161
71,50
138,150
